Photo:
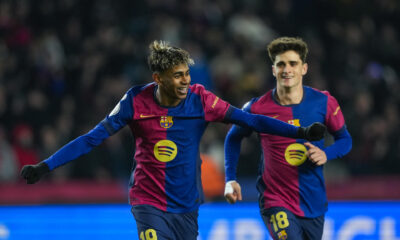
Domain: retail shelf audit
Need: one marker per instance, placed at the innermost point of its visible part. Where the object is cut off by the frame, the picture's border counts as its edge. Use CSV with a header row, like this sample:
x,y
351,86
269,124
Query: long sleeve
x,y
116,120
341,146
78,147
260,123
232,147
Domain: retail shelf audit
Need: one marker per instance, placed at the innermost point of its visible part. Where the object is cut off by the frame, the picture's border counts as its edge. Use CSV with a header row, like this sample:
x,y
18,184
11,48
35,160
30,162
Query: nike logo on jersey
x,y
146,116
276,116
215,102
336,111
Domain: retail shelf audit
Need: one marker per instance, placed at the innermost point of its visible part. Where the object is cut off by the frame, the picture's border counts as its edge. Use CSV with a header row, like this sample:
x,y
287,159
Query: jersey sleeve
x,y
232,146
214,108
334,119
121,115
78,147
245,131
118,118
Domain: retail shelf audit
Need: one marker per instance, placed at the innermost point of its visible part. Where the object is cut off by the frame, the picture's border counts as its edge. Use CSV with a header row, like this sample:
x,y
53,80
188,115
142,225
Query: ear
x,y
156,78
304,69
273,70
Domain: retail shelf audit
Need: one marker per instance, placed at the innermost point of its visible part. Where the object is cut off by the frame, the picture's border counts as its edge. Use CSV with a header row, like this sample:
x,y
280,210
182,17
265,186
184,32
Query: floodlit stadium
x,y
66,66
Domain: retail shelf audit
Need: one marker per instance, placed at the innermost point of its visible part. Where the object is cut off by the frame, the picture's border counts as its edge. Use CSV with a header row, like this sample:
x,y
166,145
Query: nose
x,y
185,79
287,68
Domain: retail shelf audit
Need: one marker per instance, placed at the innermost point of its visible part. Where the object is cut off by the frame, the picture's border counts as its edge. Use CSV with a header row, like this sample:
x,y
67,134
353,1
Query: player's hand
x,y
33,173
315,154
314,132
233,192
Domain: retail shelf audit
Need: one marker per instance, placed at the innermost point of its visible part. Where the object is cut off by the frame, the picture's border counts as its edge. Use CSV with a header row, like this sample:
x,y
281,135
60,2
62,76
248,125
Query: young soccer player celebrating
x,y
291,187
167,119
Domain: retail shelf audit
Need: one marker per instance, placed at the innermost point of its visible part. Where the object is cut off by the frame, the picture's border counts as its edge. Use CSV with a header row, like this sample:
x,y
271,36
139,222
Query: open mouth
x,y
182,90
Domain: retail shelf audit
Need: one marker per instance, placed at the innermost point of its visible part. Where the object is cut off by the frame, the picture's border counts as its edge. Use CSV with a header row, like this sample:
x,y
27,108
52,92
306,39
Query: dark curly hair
x,y
283,44
164,56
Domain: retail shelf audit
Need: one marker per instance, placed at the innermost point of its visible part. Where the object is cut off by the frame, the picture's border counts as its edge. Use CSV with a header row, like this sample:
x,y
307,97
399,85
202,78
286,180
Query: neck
x,y
164,100
288,96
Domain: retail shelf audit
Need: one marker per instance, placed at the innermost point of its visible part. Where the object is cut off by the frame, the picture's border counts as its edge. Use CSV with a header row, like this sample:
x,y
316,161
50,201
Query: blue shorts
x,y
153,223
284,225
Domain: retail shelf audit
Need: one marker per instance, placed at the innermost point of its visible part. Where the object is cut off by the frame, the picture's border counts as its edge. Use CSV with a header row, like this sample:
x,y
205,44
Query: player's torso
x,y
167,173
287,178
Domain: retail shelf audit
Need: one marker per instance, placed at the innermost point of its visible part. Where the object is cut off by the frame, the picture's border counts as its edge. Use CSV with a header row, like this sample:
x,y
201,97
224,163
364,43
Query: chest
x,y
302,114
165,127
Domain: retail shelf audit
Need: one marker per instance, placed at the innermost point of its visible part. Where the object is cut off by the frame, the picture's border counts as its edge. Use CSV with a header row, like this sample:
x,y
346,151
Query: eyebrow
x,y
290,62
180,72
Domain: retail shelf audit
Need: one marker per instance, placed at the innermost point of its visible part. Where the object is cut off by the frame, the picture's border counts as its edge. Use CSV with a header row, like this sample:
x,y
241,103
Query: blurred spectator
x,y
23,146
8,161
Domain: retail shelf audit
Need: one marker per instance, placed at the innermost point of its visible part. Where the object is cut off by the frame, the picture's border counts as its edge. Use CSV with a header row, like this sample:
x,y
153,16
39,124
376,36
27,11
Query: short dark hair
x,y
163,56
283,44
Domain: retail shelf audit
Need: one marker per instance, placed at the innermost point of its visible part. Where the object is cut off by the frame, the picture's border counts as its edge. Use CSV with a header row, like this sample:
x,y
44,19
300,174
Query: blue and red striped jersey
x,y
167,158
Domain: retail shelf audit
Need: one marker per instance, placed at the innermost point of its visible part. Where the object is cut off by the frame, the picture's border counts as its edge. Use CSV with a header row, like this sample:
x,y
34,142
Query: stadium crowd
x,y
65,64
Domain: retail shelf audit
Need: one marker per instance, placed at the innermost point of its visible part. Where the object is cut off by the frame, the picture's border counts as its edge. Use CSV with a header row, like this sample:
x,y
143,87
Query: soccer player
x,y
291,186
167,119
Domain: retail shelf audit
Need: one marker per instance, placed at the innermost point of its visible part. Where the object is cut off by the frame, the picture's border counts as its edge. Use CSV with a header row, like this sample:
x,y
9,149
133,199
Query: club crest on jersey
x,y
282,235
295,154
294,122
165,150
166,121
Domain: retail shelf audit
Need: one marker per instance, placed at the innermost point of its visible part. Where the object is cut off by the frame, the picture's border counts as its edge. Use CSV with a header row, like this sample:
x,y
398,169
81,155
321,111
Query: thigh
x,y
282,224
184,225
151,224
313,227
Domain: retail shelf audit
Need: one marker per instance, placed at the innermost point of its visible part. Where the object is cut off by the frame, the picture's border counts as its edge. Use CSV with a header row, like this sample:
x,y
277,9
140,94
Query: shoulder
x,y
266,97
263,99
135,90
256,101
317,93
197,88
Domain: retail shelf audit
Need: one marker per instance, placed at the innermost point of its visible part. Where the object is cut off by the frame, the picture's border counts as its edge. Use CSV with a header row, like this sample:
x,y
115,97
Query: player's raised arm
x,y
264,124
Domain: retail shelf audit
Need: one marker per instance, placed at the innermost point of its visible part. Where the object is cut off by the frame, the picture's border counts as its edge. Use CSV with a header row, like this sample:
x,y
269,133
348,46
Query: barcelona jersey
x,y
286,178
167,162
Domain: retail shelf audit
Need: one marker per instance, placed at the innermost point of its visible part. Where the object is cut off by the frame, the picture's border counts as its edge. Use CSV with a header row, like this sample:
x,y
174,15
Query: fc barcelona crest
x,y
166,121
294,122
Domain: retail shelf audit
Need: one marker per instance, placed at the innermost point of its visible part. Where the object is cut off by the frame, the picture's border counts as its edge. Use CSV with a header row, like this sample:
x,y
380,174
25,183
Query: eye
x,y
280,64
177,75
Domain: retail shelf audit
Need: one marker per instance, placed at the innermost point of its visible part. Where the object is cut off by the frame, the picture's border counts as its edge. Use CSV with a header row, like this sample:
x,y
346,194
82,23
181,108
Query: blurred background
x,y
65,64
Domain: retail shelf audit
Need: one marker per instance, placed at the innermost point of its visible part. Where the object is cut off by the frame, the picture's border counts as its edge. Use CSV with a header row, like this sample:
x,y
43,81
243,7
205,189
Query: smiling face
x,y
173,85
289,70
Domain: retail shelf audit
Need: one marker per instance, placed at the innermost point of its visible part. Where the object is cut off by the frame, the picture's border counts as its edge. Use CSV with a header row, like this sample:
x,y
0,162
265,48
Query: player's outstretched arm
x,y
71,151
273,126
